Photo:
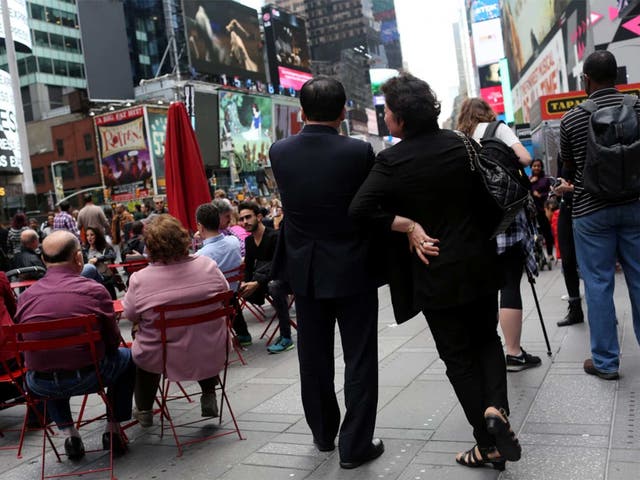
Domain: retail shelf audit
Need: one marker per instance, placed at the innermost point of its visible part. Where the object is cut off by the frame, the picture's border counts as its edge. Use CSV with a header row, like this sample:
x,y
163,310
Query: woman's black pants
x,y
467,341
568,252
545,229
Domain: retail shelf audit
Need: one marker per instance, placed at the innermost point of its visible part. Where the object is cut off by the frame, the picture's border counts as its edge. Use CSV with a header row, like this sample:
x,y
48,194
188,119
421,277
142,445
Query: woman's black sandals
x,y
471,459
506,441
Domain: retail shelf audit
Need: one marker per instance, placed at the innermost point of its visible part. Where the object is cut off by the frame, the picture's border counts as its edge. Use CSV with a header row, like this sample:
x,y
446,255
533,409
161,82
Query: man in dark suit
x,y
326,259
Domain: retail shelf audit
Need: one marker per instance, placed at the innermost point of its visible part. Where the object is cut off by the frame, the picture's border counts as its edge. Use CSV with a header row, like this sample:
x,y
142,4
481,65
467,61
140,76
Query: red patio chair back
x,y
220,311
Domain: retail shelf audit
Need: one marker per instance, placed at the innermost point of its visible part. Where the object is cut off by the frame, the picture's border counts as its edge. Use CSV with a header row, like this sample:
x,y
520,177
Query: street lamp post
x,y
53,179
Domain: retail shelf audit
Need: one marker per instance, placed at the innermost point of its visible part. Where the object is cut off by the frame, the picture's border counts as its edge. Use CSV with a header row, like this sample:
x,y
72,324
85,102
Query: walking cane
x,y
532,282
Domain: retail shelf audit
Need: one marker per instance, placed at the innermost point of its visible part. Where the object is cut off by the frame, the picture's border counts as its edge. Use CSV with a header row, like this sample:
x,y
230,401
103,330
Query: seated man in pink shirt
x,y
64,293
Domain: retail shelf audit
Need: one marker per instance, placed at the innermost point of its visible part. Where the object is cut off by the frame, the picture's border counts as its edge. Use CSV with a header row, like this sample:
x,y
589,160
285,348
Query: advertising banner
x,y
10,157
224,38
19,25
157,122
124,155
546,76
245,134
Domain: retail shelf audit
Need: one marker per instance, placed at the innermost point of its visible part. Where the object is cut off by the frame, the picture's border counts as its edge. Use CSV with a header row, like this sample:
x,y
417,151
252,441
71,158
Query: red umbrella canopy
x,y
187,186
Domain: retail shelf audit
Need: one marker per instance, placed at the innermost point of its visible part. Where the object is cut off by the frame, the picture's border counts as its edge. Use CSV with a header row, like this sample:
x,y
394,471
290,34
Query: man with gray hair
x,y
29,255
63,293
225,212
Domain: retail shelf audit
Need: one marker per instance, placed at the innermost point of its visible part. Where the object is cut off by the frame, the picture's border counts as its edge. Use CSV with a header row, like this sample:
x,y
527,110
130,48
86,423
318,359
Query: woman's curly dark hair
x,y
412,101
166,239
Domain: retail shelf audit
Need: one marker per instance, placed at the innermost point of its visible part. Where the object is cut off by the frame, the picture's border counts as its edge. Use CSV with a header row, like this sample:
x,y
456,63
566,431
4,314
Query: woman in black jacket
x,y
425,192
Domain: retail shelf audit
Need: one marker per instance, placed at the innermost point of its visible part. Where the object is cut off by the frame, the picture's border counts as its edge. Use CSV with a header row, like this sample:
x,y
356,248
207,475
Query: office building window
x,y
88,144
45,65
60,147
86,167
67,171
55,96
38,175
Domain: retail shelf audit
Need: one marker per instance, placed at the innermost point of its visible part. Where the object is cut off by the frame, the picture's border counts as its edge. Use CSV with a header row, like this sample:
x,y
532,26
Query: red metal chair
x,y
235,275
274,317
220,312
63,333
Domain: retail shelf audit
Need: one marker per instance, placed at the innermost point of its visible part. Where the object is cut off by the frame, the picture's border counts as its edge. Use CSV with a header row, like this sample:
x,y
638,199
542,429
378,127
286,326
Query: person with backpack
x,y
515,244
600,140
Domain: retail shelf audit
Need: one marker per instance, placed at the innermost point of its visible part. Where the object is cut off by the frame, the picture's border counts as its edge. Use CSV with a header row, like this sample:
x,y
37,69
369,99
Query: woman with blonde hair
x,y
196,352
515,245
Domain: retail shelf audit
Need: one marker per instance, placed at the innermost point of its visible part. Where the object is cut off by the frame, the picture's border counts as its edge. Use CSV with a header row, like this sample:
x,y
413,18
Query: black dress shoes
x,y
74,448
375,450
324,447
119,445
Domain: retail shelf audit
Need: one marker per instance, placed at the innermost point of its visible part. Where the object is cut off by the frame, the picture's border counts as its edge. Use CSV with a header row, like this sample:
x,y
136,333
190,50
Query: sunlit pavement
x,y
571,425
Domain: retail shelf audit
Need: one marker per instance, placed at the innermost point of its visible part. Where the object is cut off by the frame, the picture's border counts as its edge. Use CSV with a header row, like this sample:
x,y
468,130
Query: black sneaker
x,y
522,361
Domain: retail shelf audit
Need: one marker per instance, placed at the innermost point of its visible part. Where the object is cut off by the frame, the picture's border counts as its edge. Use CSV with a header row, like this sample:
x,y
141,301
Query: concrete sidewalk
x,y
571,425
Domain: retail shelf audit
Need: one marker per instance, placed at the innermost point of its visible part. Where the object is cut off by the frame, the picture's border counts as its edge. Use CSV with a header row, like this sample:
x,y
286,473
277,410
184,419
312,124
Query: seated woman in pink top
x,y
174,277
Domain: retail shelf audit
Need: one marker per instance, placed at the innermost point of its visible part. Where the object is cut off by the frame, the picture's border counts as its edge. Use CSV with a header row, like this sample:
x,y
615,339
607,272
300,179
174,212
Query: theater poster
x,y
125,158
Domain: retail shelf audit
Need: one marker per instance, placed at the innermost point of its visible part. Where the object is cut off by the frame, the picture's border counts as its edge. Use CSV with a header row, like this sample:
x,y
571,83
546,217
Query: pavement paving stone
x,y
543,462
571,425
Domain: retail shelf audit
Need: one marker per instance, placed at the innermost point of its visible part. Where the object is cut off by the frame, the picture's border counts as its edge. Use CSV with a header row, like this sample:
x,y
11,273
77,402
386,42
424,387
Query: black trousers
x,y
568,251
545,229
357,318
467,341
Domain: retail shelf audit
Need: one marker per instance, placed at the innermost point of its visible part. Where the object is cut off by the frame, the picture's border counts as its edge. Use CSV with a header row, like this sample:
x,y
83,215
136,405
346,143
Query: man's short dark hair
x,y
87,198
322,99
249,206
207,215
412,101
137,227
601,67
65,206
64,254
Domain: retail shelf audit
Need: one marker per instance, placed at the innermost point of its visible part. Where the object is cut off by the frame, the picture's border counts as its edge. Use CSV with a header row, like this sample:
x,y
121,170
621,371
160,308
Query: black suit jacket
x,y
322,253
427,178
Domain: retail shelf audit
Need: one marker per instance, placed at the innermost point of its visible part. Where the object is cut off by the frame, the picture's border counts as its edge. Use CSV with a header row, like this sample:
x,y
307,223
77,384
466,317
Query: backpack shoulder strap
x,y
589,106
629,100
490,132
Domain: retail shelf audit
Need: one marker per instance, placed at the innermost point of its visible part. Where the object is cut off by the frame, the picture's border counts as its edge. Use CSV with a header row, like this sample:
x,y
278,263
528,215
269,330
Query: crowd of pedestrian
x,y
346,222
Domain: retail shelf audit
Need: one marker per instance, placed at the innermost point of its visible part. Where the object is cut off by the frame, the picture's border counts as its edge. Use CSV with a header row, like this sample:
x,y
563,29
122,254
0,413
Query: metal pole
x,y
27,175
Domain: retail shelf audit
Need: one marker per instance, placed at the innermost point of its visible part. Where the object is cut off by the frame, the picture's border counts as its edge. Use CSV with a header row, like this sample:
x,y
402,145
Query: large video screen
x,y
245,133
287,48
224,38
526,28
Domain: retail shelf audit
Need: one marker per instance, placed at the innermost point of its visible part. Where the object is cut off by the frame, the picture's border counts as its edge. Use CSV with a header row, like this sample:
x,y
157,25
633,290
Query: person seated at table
x,y
58,375
192,353
99,253
29,255
135,245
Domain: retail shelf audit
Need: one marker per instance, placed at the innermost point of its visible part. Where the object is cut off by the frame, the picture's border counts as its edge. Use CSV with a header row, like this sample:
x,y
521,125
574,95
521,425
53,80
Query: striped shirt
x,y
573,149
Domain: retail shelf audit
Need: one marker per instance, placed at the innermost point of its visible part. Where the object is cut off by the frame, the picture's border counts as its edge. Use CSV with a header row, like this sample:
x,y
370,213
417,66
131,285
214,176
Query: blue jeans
x,y
118,373
600,237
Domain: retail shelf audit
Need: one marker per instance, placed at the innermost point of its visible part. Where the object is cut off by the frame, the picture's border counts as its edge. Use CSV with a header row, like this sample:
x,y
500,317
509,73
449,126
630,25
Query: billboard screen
x,y
10,158
224,38
482,10
245,133
526,26
108,76
124,154
487,41
287,48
